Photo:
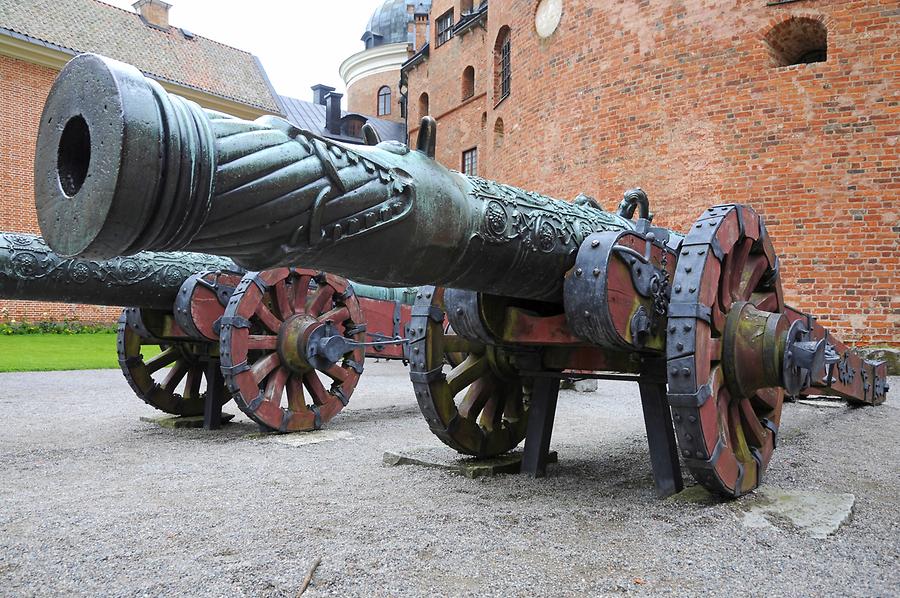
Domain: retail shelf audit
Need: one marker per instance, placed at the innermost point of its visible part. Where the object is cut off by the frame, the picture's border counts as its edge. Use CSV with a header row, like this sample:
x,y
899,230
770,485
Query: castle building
x,y
789,106
395,32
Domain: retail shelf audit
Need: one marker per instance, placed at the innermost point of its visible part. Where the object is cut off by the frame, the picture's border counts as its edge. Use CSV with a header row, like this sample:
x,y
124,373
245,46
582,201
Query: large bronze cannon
x,y
149,282
536,288
176,302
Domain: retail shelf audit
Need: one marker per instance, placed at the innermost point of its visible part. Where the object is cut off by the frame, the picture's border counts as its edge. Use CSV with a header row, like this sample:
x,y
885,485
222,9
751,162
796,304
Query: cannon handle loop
x,y
635,198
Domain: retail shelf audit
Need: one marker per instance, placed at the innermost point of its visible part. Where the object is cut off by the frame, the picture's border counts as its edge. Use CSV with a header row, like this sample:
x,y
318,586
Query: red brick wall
x,y
442,76
681,98
23,89
362,96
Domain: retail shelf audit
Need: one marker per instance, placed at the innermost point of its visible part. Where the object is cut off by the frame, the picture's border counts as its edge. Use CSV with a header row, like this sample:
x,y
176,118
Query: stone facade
x,y
698,103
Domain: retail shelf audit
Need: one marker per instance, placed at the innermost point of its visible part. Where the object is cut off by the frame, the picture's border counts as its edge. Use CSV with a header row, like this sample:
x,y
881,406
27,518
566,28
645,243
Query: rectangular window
x,y
470,162
444,27
504,69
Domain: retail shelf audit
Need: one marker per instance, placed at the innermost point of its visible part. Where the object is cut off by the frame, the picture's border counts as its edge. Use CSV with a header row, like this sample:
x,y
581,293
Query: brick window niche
x,y
502,66
466,6
498,133
384,101
444,28
798,40
423,105
470,162
468,82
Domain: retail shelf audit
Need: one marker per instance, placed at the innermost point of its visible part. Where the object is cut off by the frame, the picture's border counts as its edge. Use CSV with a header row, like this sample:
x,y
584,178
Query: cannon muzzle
x,y
122,166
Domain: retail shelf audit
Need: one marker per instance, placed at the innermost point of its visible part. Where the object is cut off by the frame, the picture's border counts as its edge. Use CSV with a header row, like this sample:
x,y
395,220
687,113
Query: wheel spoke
x,y
752,428
296,400
320,300
316,390
338,314
299,291
336,372
175,375
767,302
767,398
192,385
262,342
283,300
466,373
460,344
758,264
264,366
268,319
162,360
492,414
736,268
477,396
275,385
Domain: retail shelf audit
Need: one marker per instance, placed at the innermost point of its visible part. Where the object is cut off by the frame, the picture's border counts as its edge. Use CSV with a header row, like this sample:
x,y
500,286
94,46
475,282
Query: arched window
x,y
498,132
798,40
423,105
384,101
502,69
468,82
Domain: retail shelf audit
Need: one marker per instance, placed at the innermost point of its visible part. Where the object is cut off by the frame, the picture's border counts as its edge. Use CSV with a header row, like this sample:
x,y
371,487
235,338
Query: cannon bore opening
x,y
74,155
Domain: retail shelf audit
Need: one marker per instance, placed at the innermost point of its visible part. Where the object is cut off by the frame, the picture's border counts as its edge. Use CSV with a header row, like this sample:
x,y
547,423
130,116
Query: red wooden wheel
x,y
273,335
726,437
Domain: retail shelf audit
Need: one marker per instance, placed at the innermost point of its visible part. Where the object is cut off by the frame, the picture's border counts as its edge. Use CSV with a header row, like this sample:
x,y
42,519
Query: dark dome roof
x,y
391,19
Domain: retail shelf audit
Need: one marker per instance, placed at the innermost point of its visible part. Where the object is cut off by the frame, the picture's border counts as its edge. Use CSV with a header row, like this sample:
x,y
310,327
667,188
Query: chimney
x,y
154,13
333,113
320,92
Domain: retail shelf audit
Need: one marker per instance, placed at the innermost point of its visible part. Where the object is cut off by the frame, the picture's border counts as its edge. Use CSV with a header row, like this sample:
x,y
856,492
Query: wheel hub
x,y
293,342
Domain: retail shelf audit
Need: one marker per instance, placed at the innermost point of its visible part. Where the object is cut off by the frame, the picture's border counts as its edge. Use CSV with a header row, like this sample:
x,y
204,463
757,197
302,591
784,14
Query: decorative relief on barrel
x,y
329,193
537,222
29,269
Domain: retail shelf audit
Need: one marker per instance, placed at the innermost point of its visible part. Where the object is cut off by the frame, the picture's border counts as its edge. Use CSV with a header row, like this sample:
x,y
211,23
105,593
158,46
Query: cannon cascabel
x,y
123,166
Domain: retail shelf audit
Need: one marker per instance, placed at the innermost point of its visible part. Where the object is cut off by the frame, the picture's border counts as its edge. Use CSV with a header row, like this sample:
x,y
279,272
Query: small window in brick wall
x,y
470,162
444,28
798,40
423,105
502,66
468,83
384,101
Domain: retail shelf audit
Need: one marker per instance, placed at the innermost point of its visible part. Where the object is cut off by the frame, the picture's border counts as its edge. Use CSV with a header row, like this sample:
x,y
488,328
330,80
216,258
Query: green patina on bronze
x,y
31,270
123,167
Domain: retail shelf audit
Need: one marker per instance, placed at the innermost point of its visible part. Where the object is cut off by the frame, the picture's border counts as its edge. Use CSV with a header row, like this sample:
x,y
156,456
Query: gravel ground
x,y
95,502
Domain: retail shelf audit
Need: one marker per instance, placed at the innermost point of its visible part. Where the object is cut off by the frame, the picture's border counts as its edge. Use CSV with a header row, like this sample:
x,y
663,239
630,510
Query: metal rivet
x,y
459,311
687,327
677,288
587,314
595,243
596,271
688,269
692,289
686,371
701,252
688,436
672,328
699,454
692,419
578,272
674,371
685,252
686,453
680,346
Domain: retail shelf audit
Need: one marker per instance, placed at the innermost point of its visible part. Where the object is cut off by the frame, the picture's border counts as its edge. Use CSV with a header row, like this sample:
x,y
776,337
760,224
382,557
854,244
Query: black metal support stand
x,y
540,426
660,433
212,407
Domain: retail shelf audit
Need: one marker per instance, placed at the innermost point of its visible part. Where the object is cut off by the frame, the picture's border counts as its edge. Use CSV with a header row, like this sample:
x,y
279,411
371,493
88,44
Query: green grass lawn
x,y
43,352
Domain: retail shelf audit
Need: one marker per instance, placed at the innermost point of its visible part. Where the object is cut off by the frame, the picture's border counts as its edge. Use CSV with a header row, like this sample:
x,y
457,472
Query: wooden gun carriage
x,y
534,288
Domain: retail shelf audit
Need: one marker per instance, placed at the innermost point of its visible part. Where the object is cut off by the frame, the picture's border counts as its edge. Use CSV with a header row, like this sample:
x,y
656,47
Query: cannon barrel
x,y
30,270
122,166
